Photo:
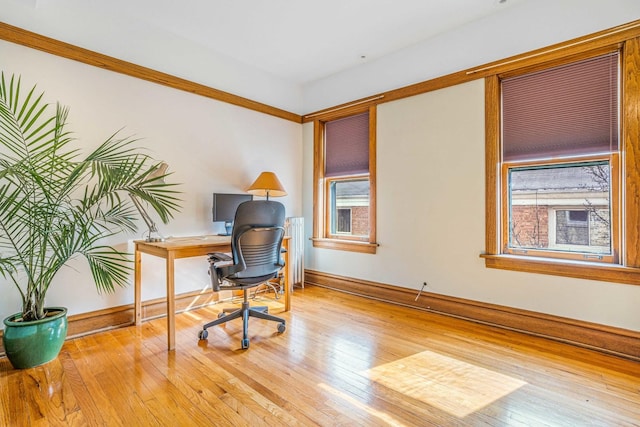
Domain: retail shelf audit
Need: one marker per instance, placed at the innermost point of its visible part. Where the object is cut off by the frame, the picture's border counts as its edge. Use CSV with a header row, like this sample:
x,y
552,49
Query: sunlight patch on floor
x,y
456,387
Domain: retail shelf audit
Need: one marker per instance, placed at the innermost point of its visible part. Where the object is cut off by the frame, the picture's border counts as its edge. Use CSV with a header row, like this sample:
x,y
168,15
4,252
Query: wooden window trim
x,y
628,268
65,50
321,237
565,268
345,245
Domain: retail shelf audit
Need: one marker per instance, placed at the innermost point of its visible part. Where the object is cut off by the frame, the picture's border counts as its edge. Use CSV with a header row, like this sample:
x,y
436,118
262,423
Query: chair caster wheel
x,y
281,327
221,314
245,343
203,334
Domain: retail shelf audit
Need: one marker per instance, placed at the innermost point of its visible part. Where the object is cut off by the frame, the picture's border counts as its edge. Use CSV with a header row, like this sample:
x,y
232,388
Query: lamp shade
x,y
267,184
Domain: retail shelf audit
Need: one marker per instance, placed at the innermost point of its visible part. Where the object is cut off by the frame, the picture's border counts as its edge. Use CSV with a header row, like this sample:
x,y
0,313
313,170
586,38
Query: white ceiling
x,y
297,40
304,55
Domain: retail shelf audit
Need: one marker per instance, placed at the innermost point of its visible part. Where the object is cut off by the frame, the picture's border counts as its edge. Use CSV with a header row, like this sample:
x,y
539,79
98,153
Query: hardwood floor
x,y
343,361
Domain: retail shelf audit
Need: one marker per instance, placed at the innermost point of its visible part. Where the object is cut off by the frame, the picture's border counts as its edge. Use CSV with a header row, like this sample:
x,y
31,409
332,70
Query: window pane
x,y
572,231
344,220
562,207
349,212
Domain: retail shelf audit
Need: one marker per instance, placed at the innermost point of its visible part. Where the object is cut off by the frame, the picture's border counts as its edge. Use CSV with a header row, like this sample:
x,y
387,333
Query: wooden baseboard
x,y
617,341
117,317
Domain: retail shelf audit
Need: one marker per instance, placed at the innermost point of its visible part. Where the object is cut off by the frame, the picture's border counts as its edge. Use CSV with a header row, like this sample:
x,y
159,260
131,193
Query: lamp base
x,y
154,236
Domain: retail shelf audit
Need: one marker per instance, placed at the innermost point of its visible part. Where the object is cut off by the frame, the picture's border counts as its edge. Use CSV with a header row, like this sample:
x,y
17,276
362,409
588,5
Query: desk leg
x,y
137,291
287,282
171,301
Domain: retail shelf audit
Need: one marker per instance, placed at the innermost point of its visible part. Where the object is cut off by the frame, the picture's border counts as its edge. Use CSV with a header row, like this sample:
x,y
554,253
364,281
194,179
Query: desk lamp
x,y
157,174
267,184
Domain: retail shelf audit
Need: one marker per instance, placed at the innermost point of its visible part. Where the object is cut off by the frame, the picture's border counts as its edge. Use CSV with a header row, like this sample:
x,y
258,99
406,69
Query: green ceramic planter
x,y
30,344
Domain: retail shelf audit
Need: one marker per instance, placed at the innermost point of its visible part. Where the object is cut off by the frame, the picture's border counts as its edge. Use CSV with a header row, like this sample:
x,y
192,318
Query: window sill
x,y
345,245
567,268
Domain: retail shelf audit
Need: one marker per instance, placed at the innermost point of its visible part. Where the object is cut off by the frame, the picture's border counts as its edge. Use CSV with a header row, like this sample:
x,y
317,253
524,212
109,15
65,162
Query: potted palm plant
x,y
55,205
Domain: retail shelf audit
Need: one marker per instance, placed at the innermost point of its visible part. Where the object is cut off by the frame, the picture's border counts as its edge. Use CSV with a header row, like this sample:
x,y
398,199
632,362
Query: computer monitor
x,y
225,206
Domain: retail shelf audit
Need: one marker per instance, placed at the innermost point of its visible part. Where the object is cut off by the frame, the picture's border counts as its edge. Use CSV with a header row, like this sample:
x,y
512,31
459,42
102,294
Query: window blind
x,y
563,111
347,146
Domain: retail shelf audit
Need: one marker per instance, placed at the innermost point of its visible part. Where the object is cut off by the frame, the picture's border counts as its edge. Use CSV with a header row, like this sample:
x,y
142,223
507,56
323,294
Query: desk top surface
x,y
193,242
188,241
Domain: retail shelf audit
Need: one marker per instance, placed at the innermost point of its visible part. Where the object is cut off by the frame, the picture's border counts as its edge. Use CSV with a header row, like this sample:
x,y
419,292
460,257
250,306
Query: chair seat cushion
x,y
250,281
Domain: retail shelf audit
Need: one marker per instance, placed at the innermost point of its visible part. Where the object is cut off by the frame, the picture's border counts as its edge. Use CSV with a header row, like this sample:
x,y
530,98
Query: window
x,y
559,144
344,221
344,171
562,174
572,228
561,210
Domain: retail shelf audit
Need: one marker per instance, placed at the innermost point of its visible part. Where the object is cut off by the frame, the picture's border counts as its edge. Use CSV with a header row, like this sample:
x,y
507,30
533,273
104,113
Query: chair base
x,y
244,312
276,288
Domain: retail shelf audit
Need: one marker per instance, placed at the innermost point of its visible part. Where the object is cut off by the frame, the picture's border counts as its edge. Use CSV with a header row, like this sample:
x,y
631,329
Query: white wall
x,y
431,211
210,147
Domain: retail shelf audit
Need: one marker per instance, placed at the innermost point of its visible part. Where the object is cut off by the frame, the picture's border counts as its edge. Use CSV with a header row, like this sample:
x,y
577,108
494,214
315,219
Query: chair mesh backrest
x,y
256,239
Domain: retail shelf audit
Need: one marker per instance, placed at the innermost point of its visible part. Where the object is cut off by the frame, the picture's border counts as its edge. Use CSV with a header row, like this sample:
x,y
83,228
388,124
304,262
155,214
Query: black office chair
x,y
256,243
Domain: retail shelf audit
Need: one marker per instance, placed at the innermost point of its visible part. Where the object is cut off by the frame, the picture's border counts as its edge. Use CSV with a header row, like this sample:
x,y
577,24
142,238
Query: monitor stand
x,y
228,226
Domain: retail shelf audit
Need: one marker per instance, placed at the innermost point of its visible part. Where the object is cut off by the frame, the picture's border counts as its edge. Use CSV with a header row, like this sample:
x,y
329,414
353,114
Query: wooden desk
x,y
185,247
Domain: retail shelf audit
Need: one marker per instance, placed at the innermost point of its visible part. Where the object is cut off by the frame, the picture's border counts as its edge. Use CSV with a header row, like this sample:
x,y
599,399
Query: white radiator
x,y
294,228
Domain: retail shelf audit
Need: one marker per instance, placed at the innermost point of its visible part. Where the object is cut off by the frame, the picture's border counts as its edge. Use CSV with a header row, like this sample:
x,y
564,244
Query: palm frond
x,y
54,205
109,267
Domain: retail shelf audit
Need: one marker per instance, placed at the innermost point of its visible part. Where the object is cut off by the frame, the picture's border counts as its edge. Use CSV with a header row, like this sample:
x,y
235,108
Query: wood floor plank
x,y
12,402
86,406
115,394
50,385
204,392
297,395
342,361
165,393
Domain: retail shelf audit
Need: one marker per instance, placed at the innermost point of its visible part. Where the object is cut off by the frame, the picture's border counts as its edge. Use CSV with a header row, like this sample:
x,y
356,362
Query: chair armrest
x,y
218,256
281,260
217,259
213,275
